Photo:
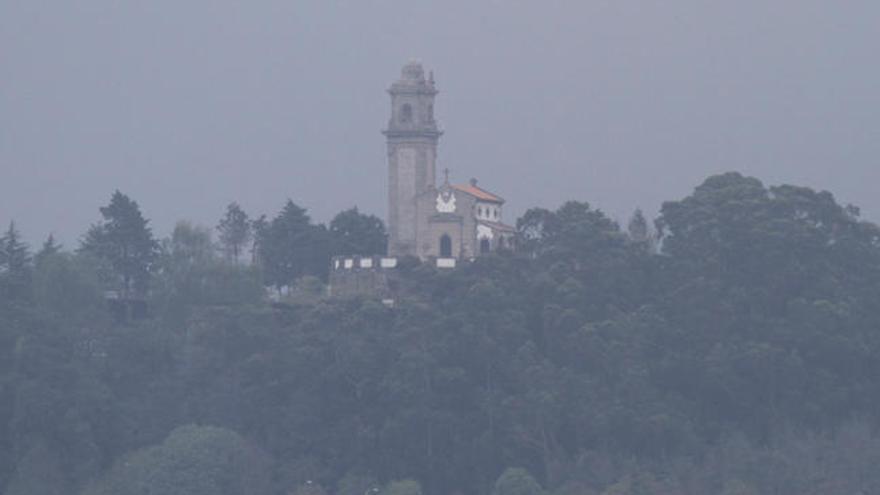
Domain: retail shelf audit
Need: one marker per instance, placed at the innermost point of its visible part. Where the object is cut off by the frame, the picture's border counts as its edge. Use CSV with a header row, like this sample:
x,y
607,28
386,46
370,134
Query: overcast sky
x,y
187,105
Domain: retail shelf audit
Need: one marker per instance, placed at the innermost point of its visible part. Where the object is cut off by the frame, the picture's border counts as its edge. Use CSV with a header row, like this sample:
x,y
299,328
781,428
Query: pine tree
x,y
235,231
49,249
125,241
291,246
13,252
15,264
638,227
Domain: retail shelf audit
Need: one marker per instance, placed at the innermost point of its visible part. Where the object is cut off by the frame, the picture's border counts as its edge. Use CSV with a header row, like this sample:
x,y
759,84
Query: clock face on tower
x,y
446,202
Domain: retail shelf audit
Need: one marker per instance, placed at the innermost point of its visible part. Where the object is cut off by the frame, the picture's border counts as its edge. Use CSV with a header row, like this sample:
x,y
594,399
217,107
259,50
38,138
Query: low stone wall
x,y
361,276
370,275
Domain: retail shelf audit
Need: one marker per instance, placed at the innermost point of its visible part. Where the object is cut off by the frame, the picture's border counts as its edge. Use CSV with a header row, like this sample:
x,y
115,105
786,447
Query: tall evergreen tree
x,y
291,246
13,252
638,227
49,249
125,241
15,264
235,231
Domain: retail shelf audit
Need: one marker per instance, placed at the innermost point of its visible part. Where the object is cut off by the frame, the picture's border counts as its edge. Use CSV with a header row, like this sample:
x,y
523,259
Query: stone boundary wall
x,y
370,275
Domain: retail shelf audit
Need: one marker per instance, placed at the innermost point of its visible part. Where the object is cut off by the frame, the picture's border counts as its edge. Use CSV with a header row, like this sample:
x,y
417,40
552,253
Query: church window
x,y
406,113
445,246
485,246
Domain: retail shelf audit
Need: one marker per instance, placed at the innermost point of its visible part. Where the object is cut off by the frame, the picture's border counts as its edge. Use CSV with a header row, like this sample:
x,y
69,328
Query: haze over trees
x,y
733,350
235,231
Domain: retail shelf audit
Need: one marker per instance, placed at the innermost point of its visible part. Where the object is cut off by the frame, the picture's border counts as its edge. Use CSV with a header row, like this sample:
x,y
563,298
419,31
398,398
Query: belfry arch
x,y
406,113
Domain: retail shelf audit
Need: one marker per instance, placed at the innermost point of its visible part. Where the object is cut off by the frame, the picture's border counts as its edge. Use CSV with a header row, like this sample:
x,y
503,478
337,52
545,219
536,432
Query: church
x,y
427,220
438,223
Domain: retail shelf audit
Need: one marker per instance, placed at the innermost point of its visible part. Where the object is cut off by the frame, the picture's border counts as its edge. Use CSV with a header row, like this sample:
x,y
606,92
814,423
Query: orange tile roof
x,y
478,193
503,227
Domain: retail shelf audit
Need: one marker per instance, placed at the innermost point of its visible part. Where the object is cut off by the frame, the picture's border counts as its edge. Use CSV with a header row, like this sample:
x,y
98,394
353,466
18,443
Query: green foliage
x,y
124,240
740,359
67,286
403,487
259,231
15,269
191,275
353,232
193,460
567,233
38,471
235,231
189,245
357,483
291,246
640,233
50,248
516,481
307,290
784,241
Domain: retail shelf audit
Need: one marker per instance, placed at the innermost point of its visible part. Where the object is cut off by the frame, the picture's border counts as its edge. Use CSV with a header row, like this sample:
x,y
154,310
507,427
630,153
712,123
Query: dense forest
x,y
731,346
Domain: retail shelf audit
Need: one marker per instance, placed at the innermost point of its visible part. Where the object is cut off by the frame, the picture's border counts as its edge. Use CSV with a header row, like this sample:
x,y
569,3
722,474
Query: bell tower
x,y
412,137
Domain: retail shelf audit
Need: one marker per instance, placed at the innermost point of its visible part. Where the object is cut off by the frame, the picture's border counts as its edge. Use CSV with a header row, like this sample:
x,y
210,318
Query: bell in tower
x,y
412,137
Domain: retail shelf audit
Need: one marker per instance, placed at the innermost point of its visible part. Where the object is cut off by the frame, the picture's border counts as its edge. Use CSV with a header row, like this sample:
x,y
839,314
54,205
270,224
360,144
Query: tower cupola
x,y
412,103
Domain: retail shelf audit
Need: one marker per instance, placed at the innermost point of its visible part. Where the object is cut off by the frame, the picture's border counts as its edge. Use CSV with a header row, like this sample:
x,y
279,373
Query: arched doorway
x,y
445,246
485,246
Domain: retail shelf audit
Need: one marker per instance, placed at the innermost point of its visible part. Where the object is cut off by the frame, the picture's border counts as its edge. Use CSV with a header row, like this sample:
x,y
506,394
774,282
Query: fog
x,y
186,106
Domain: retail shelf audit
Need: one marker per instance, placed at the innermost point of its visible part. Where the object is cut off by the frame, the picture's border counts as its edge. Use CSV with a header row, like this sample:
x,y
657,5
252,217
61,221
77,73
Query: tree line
x,y
130,258
728,347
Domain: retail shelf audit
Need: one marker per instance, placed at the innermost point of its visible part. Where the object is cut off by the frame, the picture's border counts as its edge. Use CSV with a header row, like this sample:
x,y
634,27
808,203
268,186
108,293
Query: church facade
x,y
441,223
427,220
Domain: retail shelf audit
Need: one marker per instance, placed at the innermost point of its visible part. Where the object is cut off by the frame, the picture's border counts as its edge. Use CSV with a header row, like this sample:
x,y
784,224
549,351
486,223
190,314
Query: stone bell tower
x,y
412,136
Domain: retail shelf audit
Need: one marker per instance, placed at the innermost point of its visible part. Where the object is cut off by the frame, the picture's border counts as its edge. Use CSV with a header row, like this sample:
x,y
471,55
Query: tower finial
x,y
446,174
